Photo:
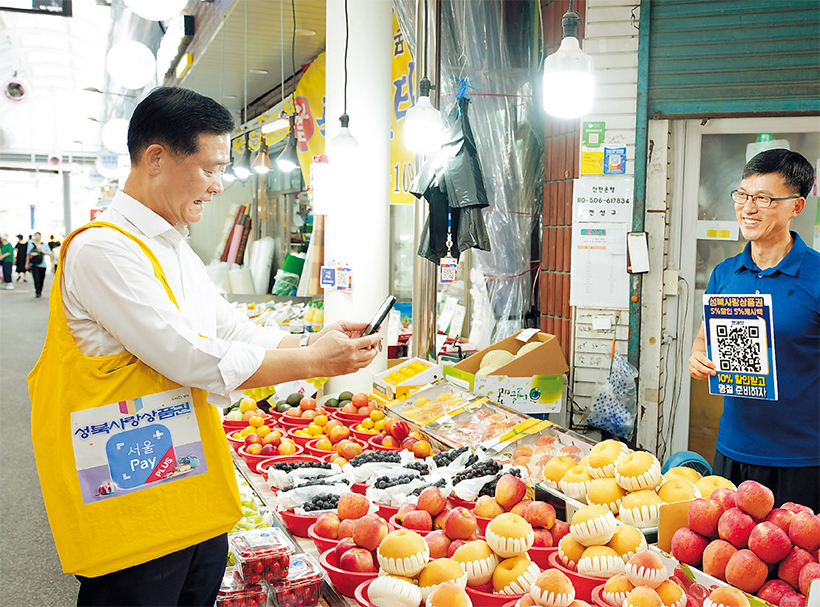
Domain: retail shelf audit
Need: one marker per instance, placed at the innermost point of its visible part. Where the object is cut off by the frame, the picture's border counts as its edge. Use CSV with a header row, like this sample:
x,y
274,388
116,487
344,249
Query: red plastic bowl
x,y
398,525
598,596
362,436
262,467
311,448
235,442
511,603
321,543
361,594
238,425
253,460
481,522
348,418
584,584
379,447
344,581
456,502
298,524
541,556
387,512
360,488
289,422
490,599
298,439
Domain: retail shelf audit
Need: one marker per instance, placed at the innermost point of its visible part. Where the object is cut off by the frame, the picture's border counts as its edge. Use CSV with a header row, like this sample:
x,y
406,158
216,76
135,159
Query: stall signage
x,y
603,200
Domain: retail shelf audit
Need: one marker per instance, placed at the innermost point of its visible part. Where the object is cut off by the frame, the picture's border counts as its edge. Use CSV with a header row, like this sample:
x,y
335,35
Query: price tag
x,y
447,270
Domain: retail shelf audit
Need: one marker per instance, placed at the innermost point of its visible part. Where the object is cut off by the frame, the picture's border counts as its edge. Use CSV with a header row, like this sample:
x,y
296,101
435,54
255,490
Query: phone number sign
x,y
603,200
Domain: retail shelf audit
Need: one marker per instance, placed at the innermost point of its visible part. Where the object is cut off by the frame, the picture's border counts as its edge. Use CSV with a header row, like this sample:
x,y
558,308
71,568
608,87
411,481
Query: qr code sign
x,y
740,346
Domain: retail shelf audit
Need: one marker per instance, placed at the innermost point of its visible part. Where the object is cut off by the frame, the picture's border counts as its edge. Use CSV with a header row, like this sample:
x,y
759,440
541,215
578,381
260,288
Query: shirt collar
x,y
146,220
788,265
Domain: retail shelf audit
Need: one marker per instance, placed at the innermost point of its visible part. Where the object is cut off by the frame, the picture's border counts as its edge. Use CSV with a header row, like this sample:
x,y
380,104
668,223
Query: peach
x,y
448,594
643,596
773,590
369,531
804,531
421,449
400,430
338,434
688,546
438,543
703,516
346,528
403,511
432,500
539,514
725,497
769,542
792,599
735,526
789,568
746,571
460,524
327,525
357,559
352,505
809,572
553,587
726,596
645,568
389,441
487,507
418,520
754,499
350,450
558,531
542,538
780,517
509,491
794,507
715,558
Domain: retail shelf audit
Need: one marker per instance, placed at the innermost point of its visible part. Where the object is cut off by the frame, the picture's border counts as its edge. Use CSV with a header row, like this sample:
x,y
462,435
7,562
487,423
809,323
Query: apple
x,y
268,450
274,438
809,572
703,516
543,538
780,517
378,439
408,442
558,531
789,568
252,439
487,507
438,522
688,546
390,442
725,497
418,520
352,505
715,558
773,590
794,507
792,599
804,531
509,491
540,514
745,571
345,544
350,450
769,542
254,449
369,531
421,449
735,526
432,500
403,510
327,525
338,434
399,430
359,560
520,506
346,527
439,543
754,499
460,523
454,545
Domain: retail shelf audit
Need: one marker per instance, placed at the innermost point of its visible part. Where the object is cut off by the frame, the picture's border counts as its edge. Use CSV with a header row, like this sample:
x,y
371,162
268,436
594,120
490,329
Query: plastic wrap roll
x,y
241,281
260,264
218,273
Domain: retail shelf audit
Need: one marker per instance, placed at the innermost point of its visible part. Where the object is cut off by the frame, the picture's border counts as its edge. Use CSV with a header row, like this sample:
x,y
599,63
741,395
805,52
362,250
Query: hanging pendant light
x,y
422,123
262,164
344,141
569,81
287,160
242,169
229,176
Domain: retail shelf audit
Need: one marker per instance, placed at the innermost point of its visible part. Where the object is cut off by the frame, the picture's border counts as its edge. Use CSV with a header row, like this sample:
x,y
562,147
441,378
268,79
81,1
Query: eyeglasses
x,y
761,201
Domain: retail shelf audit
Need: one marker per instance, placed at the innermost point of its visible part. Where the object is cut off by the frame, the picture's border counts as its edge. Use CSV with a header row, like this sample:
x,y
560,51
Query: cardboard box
x,y
532,383
390,391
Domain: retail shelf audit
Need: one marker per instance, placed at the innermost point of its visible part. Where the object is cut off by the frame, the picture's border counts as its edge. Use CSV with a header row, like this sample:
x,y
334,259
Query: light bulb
x,y
131,64
287,160
344,141
228,176
261,163
569,81
422,127
115,135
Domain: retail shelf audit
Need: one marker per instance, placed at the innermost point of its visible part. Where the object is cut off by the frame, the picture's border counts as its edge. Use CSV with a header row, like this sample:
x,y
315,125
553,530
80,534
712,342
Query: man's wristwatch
x,y
303,341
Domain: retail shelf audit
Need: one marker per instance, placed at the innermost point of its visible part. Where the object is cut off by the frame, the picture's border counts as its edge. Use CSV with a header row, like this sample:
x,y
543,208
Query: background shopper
x,y
54,245
774,443
7,260
39,257
20,251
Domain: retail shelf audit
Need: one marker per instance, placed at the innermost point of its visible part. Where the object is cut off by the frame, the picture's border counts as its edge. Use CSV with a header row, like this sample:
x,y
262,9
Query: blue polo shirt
x,y
785,432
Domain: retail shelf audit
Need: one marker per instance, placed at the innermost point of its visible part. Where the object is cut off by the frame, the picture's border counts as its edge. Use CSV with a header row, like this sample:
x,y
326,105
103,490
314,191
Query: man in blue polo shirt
x,y
776,443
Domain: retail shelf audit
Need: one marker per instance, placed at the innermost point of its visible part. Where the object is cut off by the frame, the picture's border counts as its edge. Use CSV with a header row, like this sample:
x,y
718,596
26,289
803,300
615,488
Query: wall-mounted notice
x,y
598,277
603,200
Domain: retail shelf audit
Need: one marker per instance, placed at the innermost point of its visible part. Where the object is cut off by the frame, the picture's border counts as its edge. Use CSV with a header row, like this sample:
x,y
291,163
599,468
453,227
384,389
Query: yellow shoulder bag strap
x,y
132,465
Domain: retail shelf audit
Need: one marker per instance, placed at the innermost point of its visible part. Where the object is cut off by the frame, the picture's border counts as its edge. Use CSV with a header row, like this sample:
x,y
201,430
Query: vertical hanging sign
x,y
403,96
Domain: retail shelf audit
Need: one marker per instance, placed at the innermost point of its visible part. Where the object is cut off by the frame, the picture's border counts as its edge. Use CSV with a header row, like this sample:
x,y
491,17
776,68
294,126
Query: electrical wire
x,y
293,39
347,37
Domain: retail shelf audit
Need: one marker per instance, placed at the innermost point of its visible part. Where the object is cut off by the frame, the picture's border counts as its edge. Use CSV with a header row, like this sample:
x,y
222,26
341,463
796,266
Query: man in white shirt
x,y
179,143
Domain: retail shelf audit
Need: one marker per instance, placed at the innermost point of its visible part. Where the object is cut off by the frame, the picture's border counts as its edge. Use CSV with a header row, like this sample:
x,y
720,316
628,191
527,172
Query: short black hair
x,y
174,118
793,167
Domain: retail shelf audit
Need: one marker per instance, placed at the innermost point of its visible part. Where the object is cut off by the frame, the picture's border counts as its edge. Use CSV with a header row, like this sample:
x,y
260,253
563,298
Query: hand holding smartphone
x,y
380,315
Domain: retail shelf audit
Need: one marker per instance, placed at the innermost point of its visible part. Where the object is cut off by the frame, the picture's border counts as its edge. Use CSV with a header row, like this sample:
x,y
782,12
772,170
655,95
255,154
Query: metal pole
x,y
67,202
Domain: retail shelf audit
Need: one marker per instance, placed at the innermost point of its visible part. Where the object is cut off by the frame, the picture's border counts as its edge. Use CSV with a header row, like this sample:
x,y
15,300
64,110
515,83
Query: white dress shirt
x,y
113,301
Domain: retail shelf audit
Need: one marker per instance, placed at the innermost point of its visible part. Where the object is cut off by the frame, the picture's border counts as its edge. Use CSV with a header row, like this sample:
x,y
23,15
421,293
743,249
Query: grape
x,y
391,457
287,467
323,501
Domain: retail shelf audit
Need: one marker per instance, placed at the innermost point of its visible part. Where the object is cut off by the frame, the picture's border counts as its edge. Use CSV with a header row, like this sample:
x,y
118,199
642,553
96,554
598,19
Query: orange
x,y
320,420
256,421
263,430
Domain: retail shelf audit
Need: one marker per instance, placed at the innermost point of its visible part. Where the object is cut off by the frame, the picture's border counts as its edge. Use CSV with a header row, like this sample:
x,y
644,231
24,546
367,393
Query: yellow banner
x,y
309,100
402,161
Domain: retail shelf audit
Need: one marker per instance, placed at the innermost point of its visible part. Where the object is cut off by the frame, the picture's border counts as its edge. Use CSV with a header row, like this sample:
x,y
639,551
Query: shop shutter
x,y
733,57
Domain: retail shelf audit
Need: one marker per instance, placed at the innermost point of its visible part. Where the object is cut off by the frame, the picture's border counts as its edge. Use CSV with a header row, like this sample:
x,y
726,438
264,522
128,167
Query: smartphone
x,y
381,314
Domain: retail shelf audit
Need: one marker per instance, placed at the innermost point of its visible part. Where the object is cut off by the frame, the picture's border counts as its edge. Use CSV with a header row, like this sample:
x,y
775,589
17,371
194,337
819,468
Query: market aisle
x,y
30,573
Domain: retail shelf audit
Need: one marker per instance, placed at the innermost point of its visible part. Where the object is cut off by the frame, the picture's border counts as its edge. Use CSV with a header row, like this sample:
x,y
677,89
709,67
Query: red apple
x,y
794,507
454,545
520,507
715,558
378,438
357,559
790,567
439,544
780,517
438,522
400,430
688,546
769,542
725,497
735,526
252,438
352,505
792,599
809,572
369,531
403,510
543,538
418,520
559,530
327,525
745,571
389,441
487,507
268,451
540,514
703,516
346,527
432,500
343,546
804,531
460,523
773,590
754,499
509,491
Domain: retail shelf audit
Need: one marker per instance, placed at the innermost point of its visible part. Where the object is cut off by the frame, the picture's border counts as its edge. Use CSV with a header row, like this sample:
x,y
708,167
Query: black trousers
x,y
795,484
185,578
39,275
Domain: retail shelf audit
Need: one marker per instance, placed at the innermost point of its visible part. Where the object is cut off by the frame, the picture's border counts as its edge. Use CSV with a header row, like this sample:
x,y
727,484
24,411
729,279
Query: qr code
x,y
740,346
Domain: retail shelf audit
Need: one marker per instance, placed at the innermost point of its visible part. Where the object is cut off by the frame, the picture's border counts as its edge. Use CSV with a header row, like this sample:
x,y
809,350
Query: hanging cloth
x,y
132,465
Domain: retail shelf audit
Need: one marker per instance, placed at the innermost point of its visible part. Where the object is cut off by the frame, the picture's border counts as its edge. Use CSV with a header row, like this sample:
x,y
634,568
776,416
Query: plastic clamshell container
x,y
303,585
261,554
235,591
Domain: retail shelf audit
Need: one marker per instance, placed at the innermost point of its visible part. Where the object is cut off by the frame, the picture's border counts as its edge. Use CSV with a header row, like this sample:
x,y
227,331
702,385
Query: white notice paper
x,y
598,277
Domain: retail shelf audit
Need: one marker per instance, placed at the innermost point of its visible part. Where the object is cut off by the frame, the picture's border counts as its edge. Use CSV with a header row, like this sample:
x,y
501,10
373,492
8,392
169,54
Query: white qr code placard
x,y
740,341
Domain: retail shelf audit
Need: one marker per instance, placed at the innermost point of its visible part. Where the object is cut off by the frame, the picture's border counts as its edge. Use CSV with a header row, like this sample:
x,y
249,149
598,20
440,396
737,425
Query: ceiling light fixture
x,y
569,81
242,169
422,123
131,64
275,125
288,160
344,141
262,164
229,176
